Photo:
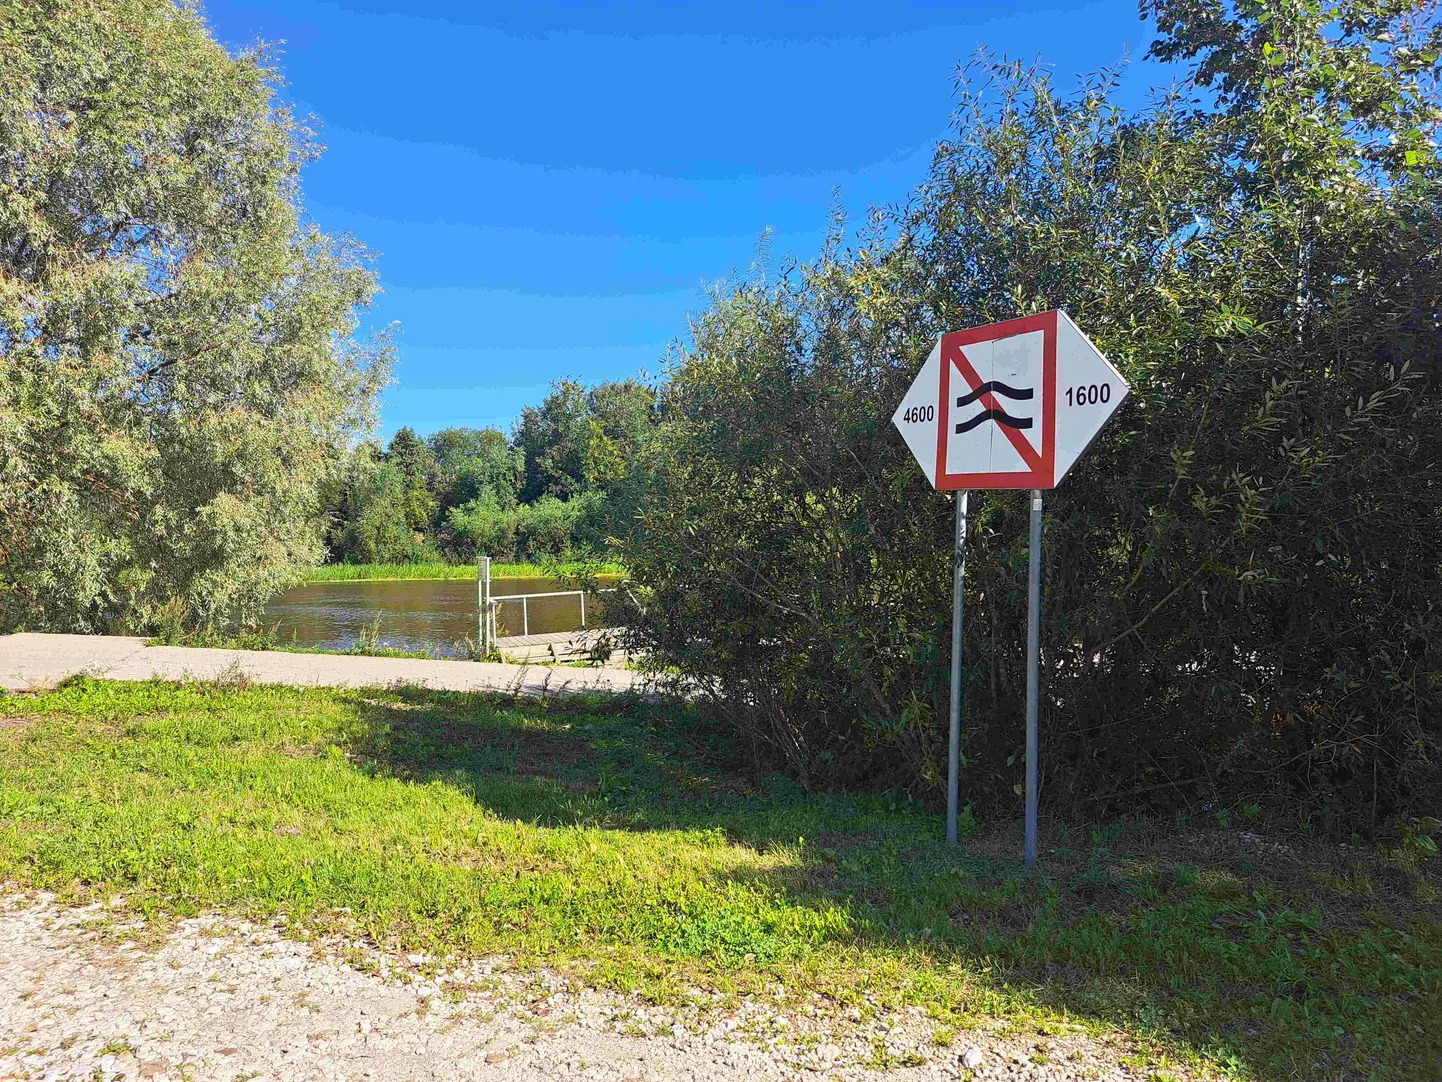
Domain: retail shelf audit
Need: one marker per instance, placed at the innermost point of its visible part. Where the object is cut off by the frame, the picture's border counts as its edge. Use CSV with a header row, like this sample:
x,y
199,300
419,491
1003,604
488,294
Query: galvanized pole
x,y
958,599
1033,652
484,584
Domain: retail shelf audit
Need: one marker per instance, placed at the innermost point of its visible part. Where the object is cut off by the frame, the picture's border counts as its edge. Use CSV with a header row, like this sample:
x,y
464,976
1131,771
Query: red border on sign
x,y
1043,466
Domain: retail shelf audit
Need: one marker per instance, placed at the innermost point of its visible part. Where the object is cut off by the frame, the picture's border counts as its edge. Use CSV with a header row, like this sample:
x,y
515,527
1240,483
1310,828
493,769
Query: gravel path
x,y
92,993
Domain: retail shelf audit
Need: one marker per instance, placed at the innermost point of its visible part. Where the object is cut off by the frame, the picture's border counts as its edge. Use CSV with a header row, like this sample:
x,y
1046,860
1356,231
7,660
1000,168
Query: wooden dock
x,y
556,646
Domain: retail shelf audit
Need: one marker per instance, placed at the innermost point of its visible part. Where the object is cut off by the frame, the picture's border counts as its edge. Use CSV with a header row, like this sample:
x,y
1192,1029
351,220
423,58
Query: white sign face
x,y
1009,405
916,416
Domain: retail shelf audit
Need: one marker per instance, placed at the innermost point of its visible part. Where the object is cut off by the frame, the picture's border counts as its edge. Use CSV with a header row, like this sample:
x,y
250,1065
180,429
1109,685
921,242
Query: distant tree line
x,y
558,485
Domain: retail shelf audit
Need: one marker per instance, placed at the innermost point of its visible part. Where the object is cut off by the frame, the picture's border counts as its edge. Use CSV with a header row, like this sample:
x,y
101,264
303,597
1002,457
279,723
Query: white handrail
x,y
495,601
498,598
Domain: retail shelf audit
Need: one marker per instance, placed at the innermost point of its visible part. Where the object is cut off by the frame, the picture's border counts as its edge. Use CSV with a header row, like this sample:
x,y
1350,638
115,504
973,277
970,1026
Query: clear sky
x,y
550,185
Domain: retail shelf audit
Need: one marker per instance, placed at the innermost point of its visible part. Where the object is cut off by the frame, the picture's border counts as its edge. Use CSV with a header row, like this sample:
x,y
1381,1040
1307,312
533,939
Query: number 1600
x,y
1088,394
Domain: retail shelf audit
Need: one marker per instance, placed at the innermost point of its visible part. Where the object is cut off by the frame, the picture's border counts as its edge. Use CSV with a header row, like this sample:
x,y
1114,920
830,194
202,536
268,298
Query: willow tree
x,y
178,372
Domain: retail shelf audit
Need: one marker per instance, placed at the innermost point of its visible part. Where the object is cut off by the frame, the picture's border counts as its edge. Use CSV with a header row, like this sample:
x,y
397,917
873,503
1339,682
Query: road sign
x,y
1008,405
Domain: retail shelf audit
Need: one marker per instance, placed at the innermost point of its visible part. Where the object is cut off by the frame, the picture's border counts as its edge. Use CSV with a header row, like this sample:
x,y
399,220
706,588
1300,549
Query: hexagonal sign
x,y
1008,405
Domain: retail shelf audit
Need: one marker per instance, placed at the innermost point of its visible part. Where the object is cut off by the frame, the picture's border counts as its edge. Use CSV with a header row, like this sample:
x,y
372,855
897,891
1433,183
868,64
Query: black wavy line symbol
x,y
999,416
994,386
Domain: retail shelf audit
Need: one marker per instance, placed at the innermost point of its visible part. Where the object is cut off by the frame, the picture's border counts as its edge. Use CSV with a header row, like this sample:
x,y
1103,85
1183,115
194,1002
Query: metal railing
x,y
488,604
497,601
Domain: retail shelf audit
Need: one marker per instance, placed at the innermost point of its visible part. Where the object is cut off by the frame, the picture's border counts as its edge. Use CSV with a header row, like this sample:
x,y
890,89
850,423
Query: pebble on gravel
x,y
216,999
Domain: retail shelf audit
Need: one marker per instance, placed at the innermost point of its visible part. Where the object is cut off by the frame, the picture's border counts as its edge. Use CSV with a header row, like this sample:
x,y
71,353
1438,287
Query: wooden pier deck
x,y
556,646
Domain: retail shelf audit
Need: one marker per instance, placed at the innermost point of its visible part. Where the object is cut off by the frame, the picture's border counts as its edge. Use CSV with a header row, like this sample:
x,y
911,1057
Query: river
x,y
433,617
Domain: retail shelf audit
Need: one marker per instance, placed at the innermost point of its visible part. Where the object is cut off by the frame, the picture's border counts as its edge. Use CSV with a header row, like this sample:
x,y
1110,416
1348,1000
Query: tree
x,y
416,465
583,441
1242,578
622,417
178,373
472,461
554,438
373,524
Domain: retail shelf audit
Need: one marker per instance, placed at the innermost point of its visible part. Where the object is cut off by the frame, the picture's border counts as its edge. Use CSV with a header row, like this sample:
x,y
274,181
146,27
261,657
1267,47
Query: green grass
x,y
448,572
609,838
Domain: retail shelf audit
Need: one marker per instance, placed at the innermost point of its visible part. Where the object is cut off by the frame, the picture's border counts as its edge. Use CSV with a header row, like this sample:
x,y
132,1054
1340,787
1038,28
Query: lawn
x,y
449,572
615,840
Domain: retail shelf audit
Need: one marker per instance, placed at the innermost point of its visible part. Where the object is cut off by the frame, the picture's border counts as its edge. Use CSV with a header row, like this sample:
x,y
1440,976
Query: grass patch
x,y
451,572
607,837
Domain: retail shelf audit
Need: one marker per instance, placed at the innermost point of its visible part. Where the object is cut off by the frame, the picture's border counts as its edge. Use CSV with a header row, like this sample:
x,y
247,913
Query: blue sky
x,y
550,186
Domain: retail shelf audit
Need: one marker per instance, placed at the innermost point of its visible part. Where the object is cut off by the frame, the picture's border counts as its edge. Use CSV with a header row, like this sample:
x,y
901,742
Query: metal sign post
x,y
958,601
1033,665
1008,405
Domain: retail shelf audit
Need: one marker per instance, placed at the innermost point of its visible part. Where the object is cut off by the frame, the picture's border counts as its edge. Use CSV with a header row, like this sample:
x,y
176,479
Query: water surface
x,y
420,615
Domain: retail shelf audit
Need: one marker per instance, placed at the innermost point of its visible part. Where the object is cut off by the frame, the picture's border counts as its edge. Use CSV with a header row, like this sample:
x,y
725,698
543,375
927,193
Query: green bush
x,y
543,528
482,526
552,527
459,488
547,527
1242,594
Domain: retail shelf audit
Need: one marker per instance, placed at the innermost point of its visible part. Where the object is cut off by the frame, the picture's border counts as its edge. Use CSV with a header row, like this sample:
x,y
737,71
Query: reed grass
x,y
449,572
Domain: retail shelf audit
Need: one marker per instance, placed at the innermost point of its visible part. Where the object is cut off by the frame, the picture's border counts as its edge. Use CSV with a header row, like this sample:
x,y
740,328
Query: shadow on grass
x,y
1284,957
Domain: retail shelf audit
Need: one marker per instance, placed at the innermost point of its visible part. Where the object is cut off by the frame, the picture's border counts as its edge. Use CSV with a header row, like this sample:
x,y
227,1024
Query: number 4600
x,y
1088,394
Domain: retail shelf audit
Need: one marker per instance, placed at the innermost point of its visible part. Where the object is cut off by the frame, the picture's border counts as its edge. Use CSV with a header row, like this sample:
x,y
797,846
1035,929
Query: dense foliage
x,y
1242,594
554,488
178,378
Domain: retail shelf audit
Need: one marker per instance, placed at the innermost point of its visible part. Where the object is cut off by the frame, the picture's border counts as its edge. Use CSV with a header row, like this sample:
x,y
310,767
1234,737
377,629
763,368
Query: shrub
x,y
482,526
548,527
552,527
376,529
1242,594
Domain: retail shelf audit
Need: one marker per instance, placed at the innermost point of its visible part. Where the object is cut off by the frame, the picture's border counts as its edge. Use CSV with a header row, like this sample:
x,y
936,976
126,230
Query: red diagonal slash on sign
x,y
1028,453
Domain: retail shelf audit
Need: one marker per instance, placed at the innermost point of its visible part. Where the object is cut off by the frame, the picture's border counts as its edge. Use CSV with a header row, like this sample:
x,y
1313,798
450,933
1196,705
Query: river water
x,y
419,616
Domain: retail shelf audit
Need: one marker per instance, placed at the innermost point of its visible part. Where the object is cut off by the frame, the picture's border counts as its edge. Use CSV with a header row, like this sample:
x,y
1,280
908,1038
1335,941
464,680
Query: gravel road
x,y
93,993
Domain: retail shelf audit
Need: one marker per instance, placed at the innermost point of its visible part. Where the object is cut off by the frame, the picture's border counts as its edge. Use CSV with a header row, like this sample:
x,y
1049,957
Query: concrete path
x,y
30,661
